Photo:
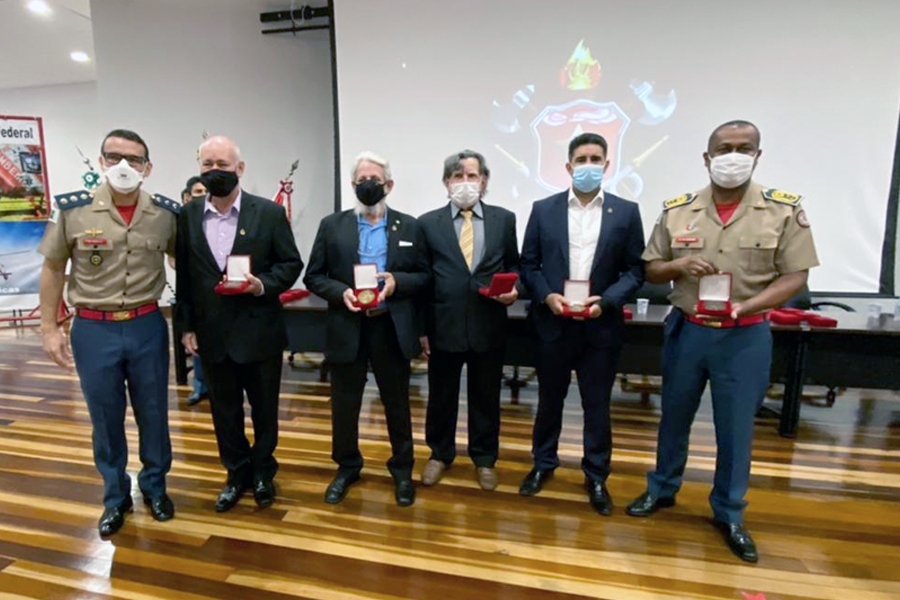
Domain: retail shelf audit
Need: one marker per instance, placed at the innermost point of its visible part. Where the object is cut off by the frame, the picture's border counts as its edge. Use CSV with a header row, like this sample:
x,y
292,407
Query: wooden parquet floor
x,y
824,509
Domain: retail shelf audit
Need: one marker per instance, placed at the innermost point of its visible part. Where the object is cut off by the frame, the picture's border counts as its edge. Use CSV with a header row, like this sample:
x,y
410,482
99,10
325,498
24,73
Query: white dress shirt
x,y
584,232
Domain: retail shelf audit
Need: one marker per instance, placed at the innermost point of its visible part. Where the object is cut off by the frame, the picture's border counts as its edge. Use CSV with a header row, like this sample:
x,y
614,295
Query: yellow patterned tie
x,y
467,238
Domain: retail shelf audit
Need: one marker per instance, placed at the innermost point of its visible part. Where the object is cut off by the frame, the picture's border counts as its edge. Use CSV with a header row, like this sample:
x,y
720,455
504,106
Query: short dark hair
x,y
453,163
126,134
587,138
738,123
191,182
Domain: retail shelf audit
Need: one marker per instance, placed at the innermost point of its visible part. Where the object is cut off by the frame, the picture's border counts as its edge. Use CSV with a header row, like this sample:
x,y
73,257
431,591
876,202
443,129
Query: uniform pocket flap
x,y
761,242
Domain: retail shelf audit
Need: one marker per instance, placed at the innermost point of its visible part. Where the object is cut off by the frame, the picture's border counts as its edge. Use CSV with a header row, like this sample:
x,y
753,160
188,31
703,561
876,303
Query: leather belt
x,y
117,315
727,323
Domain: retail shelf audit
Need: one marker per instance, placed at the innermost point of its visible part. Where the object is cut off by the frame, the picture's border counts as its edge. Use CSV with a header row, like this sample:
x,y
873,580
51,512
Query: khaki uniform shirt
x,y
114,266
768,236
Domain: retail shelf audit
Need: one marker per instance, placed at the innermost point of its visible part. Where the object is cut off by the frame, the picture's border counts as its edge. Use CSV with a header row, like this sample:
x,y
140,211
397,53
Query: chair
x,y
803,300
658,294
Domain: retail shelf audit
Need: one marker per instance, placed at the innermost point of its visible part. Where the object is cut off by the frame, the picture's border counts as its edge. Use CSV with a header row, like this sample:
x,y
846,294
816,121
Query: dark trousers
x,y
378,345
596,371
736,363
227,381
484,372
108,356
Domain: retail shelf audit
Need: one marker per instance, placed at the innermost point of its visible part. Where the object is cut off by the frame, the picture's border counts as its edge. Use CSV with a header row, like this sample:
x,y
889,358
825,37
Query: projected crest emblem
x,y
556,125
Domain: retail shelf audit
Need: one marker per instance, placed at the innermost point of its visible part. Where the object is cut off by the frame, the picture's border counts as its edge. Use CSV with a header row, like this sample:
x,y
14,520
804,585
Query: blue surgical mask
x,y
587,178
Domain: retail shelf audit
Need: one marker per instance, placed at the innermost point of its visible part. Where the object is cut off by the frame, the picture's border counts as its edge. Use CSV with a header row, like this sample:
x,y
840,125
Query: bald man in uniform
x,y
115,238
762,237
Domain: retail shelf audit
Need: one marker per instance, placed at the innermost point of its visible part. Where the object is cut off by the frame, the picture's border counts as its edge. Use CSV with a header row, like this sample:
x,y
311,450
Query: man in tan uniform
x,y
761,237
115,238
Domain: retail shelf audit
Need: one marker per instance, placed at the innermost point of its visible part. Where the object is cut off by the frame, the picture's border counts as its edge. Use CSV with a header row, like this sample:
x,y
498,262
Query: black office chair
x,y
657,294
803,300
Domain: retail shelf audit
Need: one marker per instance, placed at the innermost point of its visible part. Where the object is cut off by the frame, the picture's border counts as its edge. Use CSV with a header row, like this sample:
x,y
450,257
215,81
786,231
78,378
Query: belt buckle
x,y
714,323
120,315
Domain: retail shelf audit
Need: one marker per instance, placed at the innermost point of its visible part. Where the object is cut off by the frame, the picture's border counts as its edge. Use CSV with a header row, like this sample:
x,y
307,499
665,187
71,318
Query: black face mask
x,y
370,192
219,183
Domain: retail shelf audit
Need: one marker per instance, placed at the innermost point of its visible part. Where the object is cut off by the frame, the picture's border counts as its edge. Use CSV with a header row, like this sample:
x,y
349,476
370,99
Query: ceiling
x,y
35,49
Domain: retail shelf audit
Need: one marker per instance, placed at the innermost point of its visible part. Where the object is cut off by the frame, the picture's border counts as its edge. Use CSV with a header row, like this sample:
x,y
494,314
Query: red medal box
x,y
714,295
501,283
365,285
237,267
576,293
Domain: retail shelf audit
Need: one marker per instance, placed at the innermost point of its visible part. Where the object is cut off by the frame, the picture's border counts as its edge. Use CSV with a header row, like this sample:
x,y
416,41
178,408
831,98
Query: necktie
x,y
467,237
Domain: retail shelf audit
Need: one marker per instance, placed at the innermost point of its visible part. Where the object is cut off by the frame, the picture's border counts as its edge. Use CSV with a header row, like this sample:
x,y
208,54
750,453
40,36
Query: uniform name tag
x,y
95,243
687,240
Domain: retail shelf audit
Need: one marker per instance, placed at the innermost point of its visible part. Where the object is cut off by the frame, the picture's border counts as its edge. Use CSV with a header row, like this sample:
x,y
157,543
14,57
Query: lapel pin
x,y
609,210
243,232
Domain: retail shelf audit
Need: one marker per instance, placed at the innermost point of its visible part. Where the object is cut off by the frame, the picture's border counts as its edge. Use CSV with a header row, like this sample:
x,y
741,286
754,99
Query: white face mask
x,y
123,177
731,170
465,194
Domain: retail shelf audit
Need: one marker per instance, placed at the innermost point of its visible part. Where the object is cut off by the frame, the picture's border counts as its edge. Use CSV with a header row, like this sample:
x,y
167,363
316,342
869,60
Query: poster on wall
x,y
24,209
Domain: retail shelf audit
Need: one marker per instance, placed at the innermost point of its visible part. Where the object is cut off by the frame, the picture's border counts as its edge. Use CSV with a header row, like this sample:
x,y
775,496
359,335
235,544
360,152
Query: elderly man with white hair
x,y
370,322
238,331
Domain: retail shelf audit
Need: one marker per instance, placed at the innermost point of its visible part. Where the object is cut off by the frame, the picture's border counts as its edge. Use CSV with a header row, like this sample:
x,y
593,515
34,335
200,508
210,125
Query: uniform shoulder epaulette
x,y
682,200
166,203
73,199
781,196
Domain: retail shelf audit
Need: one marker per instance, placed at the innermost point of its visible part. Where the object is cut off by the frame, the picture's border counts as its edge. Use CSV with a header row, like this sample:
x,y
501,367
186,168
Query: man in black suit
x,y
468,242
240,338
587,235
385,335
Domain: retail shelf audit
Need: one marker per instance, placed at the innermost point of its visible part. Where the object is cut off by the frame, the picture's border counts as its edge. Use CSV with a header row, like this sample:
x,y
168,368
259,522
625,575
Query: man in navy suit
x,y
580,234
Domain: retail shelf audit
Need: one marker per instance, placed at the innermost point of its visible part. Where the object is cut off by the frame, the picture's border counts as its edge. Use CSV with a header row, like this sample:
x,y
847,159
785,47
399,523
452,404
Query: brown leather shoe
x,y
434,470
487,478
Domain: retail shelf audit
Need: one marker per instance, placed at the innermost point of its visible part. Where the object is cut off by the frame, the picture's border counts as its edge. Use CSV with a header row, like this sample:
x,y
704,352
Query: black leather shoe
x,y
264,492
646,504
534,481
739,540
113,518
337,489
161,507
599,497
404,492
196,398
229,496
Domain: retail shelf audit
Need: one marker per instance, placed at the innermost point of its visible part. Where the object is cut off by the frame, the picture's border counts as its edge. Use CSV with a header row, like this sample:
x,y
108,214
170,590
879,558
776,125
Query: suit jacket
x,y
616,274
458,318
330,273
245,327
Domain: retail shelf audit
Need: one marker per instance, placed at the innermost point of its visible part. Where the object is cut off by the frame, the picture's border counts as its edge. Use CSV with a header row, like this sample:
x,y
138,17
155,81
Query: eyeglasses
x,y
115,158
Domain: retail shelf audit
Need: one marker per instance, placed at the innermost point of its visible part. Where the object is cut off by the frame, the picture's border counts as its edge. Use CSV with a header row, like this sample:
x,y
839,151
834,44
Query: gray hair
x,y
453,163
374,159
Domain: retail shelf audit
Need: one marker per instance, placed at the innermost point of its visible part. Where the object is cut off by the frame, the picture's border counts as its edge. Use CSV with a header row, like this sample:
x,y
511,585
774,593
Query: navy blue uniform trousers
x,y
736,362
109,356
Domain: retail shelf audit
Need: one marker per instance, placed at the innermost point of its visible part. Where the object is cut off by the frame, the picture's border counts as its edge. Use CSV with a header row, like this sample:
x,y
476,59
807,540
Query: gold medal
x,y
96,259
576,308
366,297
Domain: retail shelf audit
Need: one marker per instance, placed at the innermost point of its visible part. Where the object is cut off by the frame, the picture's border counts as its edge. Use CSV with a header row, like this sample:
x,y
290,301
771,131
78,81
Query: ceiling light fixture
x,y
39,7
79,56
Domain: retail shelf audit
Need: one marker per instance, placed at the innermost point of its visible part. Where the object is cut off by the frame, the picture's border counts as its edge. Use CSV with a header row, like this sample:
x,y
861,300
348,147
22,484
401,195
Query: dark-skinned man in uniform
x,y
761,237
